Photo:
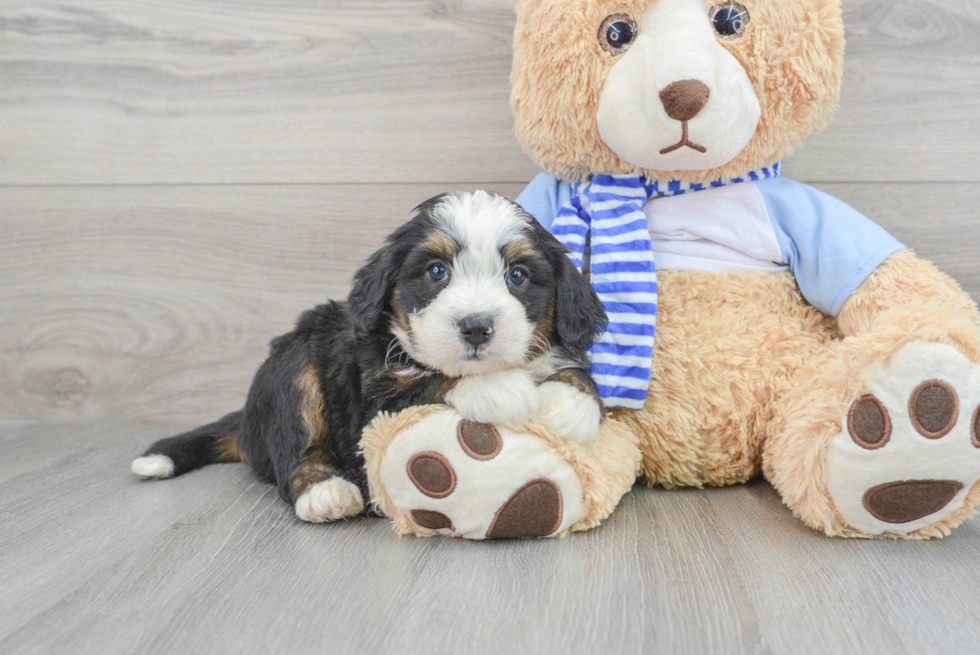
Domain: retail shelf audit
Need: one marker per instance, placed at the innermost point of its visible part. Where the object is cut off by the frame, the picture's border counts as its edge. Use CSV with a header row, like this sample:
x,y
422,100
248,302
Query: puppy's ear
x,y
371,291
579,315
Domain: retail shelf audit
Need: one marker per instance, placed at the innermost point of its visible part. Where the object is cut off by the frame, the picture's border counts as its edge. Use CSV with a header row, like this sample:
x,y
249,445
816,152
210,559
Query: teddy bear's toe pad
x,y
908,454
901,502
534,511
457,477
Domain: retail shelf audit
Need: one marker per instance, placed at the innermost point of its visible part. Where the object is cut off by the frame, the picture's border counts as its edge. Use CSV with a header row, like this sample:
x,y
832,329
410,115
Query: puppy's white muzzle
x,y
500,331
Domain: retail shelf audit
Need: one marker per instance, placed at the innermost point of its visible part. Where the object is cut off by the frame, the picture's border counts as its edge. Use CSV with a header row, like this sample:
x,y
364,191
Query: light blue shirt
x,y
769,224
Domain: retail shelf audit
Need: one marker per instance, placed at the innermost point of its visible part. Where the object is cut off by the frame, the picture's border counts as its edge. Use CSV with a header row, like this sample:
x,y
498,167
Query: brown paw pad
x,y
901,502
432,474
479,440
432,520
975,428
933,408
868,422
535,510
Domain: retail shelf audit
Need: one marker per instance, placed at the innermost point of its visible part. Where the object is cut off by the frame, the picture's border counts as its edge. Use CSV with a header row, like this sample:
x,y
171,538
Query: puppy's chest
x,y
543,367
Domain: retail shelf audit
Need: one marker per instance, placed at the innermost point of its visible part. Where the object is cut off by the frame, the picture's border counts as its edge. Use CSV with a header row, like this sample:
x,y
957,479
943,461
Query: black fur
x,y
579,315
201,444
350,347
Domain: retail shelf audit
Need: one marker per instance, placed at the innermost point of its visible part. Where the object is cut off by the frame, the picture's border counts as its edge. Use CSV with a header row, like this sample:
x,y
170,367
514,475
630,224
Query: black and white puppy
x,y
470,303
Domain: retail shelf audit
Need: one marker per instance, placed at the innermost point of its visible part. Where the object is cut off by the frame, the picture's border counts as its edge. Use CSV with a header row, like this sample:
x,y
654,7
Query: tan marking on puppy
x,y
540,342
401,318
444,389
312,409
307,473
440,245
227,449
578,380
519,249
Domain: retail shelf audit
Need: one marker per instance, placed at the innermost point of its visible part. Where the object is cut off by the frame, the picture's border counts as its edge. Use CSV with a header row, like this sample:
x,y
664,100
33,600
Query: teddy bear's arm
x,y
829,246
543,197
903,279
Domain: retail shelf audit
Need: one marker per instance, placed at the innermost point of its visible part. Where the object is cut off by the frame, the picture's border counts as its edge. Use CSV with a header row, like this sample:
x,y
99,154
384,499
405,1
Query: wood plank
x,y
213,561
107,291
82,510
856,595
155,304
98,91
213,91
908,103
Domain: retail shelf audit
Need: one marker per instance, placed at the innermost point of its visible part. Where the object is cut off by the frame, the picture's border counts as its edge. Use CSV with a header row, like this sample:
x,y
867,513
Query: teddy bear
x,y
756,324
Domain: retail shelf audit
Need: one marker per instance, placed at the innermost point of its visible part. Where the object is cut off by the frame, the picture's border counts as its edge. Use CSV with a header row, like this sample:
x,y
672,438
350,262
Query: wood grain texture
x,y
247,91
909,98
95,561
155,304
178,180
215,91
107,291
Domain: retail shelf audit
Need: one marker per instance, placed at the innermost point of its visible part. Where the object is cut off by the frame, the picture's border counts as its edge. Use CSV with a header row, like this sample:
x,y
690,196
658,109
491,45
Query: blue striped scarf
x,y
608,211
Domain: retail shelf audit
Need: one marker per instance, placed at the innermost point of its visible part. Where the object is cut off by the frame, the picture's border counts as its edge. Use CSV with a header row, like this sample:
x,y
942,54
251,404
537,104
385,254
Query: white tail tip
x,y
153,466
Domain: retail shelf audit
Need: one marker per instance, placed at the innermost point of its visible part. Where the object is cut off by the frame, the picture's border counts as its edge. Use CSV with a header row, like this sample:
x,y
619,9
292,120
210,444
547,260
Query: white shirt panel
x,y
719,229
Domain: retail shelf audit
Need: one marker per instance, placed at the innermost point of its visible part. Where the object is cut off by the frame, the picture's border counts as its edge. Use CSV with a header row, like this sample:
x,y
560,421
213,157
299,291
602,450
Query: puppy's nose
x,y
685,99
476,329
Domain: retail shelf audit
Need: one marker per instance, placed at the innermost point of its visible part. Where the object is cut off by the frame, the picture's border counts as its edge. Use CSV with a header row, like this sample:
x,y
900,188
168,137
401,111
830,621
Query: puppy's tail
x,y
213,443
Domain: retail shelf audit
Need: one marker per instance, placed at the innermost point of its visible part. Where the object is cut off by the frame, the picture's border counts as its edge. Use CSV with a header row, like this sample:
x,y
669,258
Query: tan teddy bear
x,y
792,335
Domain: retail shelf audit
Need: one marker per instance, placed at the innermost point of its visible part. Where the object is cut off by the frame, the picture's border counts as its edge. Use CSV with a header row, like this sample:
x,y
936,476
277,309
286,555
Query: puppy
x,y
470,303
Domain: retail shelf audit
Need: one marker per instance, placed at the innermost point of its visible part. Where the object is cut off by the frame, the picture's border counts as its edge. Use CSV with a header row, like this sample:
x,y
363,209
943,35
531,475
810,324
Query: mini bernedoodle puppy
x,y
471,303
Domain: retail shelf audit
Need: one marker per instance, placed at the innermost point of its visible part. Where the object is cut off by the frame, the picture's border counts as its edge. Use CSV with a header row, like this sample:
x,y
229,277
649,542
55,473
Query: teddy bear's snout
x,y
685,99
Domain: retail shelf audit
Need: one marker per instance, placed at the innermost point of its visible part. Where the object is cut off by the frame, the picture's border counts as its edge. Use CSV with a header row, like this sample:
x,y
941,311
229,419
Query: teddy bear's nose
x,y
683,100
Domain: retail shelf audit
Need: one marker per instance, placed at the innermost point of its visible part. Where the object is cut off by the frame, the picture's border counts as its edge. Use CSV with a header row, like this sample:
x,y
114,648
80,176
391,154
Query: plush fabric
x,y
605,469
747,374
559,70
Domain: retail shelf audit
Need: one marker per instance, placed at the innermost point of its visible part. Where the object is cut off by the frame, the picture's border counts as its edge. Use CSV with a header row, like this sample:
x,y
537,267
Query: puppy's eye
x,y
730,20
617,33
517,277
437,272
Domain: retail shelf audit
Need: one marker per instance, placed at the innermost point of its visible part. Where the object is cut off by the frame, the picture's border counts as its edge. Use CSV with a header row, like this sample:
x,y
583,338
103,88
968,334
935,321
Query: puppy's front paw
x,y
568,413
332,499
508,398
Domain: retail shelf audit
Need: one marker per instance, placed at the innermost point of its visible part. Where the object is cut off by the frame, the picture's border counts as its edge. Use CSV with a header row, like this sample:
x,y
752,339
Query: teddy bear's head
x,y
676,89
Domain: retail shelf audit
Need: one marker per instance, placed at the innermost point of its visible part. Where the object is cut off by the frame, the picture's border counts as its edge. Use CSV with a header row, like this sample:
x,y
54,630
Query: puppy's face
x,y
475,295
473,285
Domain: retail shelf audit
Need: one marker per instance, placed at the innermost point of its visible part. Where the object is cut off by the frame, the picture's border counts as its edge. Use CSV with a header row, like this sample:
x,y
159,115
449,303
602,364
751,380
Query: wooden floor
x,y
93,560
179,179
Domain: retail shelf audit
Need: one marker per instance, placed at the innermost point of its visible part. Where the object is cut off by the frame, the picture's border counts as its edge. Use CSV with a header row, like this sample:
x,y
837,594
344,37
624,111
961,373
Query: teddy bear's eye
x,y
730,20
616,33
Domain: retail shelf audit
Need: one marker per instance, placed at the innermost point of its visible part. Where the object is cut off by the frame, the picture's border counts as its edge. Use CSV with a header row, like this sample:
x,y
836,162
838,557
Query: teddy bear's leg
x,y
878,434
434,472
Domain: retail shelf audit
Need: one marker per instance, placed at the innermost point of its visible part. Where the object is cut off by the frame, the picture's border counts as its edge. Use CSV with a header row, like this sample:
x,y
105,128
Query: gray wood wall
x,y
178,180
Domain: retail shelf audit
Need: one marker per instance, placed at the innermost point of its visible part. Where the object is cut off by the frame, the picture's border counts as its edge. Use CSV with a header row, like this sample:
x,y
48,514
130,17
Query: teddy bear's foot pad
x,y
534,511
461,478
909,452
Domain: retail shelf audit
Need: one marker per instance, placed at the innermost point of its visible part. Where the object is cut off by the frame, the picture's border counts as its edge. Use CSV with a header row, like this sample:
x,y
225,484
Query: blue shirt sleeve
x,y
543,197
830,247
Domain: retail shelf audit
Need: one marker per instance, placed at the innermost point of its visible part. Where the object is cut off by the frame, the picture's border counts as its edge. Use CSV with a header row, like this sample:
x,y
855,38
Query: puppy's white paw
x,y
568,413
153,466
506,398
329,500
